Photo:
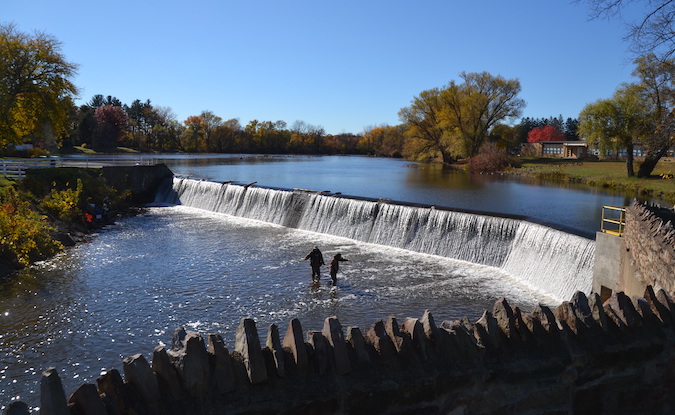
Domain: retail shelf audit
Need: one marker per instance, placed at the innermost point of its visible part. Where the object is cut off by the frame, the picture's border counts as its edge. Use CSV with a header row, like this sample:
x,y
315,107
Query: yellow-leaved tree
x,y
36,90
456,120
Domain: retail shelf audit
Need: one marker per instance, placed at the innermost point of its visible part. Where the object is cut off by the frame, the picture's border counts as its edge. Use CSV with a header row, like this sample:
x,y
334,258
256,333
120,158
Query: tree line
x,y
639,114
106,123
476,113
37,106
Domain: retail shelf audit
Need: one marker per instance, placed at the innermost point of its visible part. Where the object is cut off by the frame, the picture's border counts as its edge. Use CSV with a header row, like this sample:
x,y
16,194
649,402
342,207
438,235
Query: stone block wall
x,y
583,357
649,240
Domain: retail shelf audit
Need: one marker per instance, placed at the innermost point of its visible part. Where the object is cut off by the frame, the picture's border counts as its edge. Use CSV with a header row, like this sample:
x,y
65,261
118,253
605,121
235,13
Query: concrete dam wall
x,y
550,260
582,357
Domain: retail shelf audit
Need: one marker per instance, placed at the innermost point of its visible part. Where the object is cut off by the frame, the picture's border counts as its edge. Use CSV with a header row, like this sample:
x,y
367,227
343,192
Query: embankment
x,y
51,209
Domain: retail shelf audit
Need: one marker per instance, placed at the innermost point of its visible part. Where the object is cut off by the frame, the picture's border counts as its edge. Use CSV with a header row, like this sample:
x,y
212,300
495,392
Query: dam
x,y
547,259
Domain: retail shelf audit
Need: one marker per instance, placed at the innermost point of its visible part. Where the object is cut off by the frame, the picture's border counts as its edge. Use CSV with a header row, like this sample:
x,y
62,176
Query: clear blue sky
x,y
343,65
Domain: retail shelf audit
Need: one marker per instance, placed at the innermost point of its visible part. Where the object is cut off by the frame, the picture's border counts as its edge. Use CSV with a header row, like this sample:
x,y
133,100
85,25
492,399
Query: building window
x,y
552,150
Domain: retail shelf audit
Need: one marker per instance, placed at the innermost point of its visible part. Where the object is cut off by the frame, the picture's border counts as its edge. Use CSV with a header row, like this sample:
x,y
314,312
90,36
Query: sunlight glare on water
x,y
126,290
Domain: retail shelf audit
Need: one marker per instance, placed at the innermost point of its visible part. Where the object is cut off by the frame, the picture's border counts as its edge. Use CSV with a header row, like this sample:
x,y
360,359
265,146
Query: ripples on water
x,y
126,290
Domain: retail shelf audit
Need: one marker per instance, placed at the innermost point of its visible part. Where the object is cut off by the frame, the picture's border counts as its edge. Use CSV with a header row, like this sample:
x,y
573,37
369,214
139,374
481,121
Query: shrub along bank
x,y
53,208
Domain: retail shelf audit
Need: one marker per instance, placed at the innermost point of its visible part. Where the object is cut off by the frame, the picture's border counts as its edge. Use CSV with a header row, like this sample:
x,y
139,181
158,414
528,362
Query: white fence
x,y
16,168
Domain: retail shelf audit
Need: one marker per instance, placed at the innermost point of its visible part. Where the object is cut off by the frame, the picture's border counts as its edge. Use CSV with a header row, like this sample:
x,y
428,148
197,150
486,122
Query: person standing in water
x,y
335,266
315,261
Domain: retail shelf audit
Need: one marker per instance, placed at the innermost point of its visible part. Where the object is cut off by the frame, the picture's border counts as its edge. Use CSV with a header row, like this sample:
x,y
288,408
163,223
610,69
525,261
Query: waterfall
x,y
264,205
468,237
546,259
339,216
559,261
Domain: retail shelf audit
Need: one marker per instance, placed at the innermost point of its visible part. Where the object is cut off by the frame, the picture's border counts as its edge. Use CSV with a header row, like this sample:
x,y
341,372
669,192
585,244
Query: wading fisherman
x,y
335,266
315,261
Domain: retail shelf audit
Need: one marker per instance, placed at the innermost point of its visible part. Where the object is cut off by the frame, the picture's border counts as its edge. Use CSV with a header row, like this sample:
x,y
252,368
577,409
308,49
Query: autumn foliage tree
x,y
616,124
639,114
656,85
111,126
345,143
505,137
568,127
148,127
545,133
476,105
36,90
306,138
226,137
268,136
194,134
383,140
456,120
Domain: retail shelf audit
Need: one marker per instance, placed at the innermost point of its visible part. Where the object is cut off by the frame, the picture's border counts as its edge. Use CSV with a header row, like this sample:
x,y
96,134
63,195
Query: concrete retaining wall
x,y
607,266
141,181
583,357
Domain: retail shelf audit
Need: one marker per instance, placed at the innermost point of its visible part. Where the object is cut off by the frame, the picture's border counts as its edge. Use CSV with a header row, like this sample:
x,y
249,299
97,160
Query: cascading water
x,y
264,205
467,237
546,259
339,216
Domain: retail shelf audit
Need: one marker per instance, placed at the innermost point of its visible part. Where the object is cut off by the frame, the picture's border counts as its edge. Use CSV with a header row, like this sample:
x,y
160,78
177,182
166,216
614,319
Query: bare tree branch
x,y
654,32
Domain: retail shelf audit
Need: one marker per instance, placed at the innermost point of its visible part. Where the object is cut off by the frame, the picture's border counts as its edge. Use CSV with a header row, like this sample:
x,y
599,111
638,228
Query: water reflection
x,y
571,205
438,176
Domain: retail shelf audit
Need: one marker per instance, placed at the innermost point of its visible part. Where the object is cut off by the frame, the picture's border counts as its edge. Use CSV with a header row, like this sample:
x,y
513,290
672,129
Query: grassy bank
x,y
90,151
605,174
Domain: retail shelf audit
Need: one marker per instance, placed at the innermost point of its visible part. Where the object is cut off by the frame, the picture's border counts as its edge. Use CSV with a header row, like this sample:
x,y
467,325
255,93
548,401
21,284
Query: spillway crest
x,y
549,260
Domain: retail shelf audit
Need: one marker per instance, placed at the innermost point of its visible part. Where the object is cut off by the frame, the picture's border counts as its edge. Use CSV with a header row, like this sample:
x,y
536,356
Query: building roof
x,y
567,143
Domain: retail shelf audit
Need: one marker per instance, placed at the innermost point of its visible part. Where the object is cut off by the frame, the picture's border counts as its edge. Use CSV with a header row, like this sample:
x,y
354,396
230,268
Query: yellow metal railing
x,y
610,222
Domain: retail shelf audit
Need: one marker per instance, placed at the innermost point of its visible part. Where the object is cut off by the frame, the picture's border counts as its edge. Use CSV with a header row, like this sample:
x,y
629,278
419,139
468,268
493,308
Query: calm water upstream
x,y
129,287
578,207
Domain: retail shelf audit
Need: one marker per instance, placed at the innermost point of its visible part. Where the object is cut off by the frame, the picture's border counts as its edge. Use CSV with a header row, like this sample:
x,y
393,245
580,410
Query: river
x,y
127,288
575,206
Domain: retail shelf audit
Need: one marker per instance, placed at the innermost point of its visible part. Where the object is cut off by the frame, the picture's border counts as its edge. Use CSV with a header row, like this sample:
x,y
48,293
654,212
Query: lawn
x,y
87,150
607,174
